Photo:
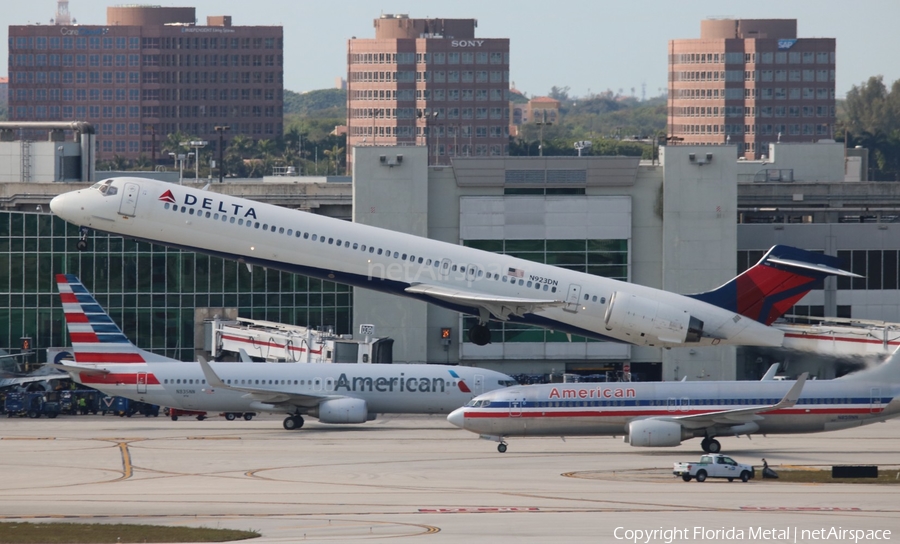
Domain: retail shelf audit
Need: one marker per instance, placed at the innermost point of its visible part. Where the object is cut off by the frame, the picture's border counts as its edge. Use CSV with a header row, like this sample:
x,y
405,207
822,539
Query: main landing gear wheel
x,y
248,416
711,445
292,423
480,334
229,416
501,447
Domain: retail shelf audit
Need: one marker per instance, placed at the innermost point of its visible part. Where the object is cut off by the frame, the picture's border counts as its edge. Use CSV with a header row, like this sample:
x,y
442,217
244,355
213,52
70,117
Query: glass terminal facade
x,y
149,290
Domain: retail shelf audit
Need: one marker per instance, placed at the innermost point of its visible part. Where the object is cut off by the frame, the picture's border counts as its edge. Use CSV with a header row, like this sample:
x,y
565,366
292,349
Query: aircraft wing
x,y
264,395
500,307
742,415
76,370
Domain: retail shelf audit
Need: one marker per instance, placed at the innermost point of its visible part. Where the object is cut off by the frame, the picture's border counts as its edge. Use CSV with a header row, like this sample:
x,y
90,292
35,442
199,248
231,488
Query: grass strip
x,y
21,532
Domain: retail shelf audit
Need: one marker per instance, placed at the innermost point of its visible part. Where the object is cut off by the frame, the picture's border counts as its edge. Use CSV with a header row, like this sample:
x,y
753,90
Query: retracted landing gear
x,y
293,423
711,445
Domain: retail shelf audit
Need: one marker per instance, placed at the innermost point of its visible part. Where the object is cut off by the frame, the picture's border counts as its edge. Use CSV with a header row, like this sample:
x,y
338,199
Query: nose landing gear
x,y
82,244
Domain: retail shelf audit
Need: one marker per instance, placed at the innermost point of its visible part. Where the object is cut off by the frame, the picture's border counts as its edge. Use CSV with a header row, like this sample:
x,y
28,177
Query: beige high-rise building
x,y
429,82
751,82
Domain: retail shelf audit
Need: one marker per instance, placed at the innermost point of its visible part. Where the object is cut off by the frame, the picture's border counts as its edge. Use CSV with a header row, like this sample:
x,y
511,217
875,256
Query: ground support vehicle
x,y
713,466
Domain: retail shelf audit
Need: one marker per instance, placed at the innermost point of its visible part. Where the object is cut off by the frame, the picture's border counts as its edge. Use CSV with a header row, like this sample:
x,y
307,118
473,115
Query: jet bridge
x,y
280,342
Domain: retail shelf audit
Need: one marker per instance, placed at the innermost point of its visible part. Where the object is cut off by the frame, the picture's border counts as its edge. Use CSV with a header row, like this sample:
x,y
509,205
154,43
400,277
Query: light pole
x,y
179,162
221,130
197,144
541,124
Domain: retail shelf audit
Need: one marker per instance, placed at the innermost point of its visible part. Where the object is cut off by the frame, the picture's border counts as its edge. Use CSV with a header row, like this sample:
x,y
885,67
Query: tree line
x,y
613,123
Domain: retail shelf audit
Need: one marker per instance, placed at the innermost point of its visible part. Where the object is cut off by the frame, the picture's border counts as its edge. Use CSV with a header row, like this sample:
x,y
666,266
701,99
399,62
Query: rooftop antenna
x,y
63,17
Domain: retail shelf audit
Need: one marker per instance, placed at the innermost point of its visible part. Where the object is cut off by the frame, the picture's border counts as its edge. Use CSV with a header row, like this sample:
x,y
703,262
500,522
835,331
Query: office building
x,y
149,72
429,82
751,82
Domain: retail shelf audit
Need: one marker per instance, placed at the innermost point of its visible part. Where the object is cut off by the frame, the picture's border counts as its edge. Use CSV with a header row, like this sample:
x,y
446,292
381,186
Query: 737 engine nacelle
x,y
341,411
655,433
658,322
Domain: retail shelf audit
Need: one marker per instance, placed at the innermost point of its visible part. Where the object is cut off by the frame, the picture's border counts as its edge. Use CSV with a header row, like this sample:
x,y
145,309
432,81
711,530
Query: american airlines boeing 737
x,y
331,392
488,285
664,414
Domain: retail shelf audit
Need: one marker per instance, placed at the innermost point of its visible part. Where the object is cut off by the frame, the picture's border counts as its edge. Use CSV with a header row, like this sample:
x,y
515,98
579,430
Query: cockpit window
x,y
507,383
474,403
105,187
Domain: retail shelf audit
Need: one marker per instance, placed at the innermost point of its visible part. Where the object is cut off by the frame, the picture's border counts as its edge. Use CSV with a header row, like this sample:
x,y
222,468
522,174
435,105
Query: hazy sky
x,y
589,46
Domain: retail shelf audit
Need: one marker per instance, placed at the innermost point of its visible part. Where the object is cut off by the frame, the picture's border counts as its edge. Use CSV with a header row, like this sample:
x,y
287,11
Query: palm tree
x,y
172,143
119,163
143,162
335,156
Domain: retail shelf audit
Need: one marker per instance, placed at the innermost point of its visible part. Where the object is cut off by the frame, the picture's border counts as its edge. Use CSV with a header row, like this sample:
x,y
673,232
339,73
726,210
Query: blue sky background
x,y
589,46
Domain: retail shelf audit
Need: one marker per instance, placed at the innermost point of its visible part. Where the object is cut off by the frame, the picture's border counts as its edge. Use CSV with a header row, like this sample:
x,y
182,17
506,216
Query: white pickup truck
x,y
713,466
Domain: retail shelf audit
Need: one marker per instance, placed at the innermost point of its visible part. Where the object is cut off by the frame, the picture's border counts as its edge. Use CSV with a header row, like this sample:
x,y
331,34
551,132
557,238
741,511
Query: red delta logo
x,y
168,197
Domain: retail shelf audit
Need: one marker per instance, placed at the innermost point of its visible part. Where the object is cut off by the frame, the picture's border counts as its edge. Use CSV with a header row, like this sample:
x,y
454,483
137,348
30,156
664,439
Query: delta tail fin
x,y
772,286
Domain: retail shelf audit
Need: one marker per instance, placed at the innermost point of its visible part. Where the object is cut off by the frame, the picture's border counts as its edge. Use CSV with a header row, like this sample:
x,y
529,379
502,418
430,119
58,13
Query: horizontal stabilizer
x,y
828,270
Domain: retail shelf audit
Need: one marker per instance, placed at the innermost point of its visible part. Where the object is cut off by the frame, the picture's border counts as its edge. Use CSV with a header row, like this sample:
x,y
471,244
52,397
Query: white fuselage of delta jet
x,y
460,278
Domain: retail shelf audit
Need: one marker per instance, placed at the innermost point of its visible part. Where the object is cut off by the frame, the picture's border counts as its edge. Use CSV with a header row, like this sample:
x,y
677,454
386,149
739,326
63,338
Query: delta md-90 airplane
x,y
665,414
331,392
487,285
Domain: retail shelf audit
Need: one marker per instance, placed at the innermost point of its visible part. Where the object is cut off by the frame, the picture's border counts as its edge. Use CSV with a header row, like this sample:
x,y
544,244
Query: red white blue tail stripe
x,y
95,337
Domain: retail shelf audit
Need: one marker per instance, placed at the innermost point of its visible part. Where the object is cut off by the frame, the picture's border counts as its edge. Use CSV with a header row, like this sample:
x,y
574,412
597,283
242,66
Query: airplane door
x,y
470,273
329,384
141,382
515,408
129,199
672,404
478,384
445,267
317,384
685,405
572,298
875,407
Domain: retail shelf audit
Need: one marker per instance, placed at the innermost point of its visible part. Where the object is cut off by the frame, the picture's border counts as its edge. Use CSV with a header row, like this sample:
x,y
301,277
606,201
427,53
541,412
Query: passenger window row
x,y
473,271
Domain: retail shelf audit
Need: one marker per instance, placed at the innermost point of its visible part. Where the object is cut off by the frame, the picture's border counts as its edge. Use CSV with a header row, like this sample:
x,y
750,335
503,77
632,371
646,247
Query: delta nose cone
x,y
62,205
457,417
57,204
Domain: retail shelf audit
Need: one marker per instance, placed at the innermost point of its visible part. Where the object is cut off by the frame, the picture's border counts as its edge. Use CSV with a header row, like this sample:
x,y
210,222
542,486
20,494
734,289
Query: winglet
x,y
770,374
245,357
211,377
793,395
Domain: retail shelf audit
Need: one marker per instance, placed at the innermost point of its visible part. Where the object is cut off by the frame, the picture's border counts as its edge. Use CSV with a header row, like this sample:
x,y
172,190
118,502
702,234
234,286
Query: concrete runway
x,y
420,478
